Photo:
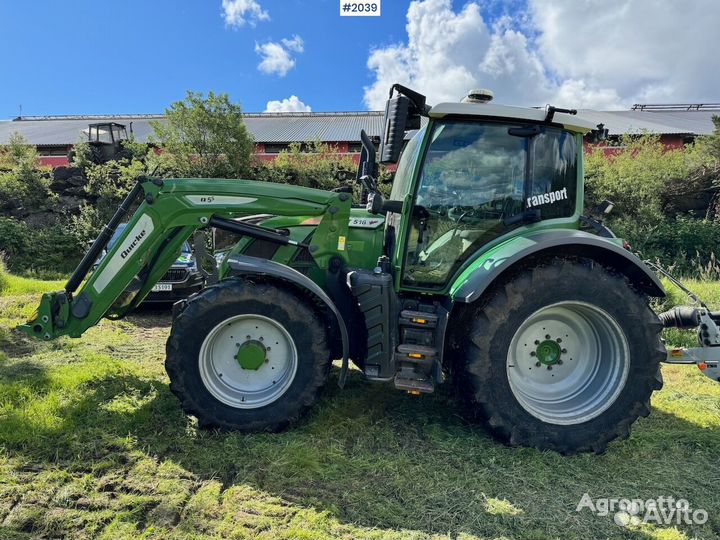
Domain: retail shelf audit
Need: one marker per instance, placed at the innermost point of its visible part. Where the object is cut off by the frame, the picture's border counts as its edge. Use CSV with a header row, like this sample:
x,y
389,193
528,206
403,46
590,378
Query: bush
x,y
52,250
646,182
316,165
86,225
24,185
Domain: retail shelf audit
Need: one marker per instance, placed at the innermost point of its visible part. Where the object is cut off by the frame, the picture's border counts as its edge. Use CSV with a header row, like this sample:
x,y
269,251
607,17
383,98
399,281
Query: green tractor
x,y
475,270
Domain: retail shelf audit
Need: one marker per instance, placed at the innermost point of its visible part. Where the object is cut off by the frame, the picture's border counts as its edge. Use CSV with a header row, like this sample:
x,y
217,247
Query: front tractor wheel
x,y
247,356
562,356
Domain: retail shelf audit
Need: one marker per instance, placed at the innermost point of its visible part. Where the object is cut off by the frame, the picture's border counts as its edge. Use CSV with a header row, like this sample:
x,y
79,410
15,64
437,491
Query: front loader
x,y
477,269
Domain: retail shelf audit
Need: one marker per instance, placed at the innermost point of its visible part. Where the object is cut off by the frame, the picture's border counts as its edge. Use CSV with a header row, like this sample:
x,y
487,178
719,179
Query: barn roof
x,y
346,126
663,122
265,127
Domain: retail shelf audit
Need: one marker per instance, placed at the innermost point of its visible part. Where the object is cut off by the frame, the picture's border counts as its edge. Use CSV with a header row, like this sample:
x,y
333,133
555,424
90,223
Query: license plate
x,y
160,287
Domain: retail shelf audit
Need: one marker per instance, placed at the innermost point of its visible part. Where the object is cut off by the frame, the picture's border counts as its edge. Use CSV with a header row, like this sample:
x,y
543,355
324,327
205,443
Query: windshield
x,y
477,180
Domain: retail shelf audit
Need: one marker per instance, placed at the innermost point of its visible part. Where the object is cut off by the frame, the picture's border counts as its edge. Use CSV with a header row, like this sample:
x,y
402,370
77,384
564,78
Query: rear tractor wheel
x,y
247,356
563,356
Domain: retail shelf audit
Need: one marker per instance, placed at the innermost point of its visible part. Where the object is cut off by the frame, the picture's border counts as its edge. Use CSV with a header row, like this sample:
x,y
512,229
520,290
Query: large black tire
x,y
485,367
228,299
95,154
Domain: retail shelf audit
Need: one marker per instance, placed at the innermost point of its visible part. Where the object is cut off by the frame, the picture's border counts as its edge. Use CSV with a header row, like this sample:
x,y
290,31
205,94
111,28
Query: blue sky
x,y
131,56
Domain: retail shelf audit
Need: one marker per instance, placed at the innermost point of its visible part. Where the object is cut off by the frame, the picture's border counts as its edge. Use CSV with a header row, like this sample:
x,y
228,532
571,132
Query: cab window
x,y
477,180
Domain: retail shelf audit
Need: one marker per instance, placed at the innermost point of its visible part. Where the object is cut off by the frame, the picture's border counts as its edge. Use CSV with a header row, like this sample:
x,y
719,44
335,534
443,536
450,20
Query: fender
x,y
243,264
477,277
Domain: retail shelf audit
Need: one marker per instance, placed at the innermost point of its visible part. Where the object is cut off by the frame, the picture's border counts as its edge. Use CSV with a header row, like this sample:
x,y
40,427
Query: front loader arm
x,y
170,211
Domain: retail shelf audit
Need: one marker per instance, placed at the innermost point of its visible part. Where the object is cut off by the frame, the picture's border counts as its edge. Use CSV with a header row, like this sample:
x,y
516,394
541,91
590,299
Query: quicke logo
x,y
138,238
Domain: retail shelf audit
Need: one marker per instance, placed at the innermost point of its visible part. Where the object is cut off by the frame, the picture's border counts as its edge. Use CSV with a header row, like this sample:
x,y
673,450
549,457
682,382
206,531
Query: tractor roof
x,y
98,124
569,121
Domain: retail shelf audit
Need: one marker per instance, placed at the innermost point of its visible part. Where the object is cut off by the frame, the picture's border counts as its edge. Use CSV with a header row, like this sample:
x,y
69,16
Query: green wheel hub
x,y
251,355
548,352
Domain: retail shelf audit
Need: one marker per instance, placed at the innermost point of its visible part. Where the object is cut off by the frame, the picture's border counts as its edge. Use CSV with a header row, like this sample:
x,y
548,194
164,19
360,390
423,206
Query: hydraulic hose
x,y
683,317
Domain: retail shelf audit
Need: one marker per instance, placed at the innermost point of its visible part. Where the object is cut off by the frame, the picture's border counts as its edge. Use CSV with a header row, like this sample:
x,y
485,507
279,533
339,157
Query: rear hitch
x,y
707,356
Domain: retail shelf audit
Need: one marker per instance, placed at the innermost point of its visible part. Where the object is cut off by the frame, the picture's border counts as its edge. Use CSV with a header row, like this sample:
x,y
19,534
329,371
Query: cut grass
x,y
94,445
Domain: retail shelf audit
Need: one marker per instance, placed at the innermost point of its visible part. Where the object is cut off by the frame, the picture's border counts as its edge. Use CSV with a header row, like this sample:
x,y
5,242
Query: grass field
x,y
94,445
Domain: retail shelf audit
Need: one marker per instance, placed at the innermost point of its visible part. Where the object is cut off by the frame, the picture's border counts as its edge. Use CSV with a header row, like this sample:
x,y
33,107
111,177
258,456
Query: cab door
x,y
476,183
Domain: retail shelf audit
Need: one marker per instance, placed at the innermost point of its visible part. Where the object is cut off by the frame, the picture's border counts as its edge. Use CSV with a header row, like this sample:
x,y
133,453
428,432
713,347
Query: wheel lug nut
x,y
547,336
559,340
537,342
261,338
559,362
537,364
532,353
549,368
248,337
563,351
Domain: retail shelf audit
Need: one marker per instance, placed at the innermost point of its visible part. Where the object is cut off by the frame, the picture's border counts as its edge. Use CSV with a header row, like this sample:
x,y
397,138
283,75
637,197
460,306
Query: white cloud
x,y
644,51
449,53
239,12
590,54
291,104
295,44
277,58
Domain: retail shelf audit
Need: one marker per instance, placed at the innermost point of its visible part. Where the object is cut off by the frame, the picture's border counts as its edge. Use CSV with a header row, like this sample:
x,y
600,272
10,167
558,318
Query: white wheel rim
x,y
592,370
228,381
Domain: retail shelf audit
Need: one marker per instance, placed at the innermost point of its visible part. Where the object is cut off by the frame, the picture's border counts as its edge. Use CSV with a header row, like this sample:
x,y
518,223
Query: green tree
x,y
204,137
24,184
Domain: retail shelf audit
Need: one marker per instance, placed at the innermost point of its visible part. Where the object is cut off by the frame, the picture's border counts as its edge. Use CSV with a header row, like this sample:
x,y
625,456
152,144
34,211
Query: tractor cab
x,y
471,176
105,141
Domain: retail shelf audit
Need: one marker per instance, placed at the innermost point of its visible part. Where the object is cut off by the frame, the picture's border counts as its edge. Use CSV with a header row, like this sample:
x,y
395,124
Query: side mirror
x,y
396,120
402,113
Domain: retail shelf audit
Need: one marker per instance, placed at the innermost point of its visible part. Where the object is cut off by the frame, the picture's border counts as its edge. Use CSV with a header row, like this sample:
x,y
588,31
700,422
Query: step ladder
x,y
416,356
